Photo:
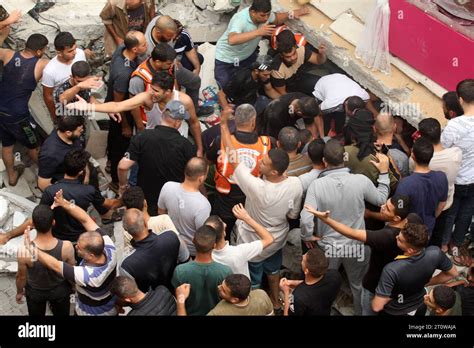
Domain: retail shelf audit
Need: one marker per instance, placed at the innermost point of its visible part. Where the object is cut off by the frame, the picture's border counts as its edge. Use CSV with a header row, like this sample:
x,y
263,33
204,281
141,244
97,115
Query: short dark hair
x,y
80,69
355,102
163,80
280,160
444,296
163,52
195,167
133,197
333,153
465,90
316,151
430,129
239,285
70,123
402,205
423,151
416,235
64,40
316,262
305,136
288,138
75,161
204,239
43,218
131,40
95,243
263,6
285,41
36,42
309,107
451,101
217,224
124,287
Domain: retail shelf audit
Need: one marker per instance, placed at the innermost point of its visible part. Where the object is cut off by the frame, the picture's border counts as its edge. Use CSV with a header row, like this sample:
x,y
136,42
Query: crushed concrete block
x,y
3,264
18,219
4,210
348,27
12,267
361,8
223,6
2,166
332,9
203,4
206,17
207,70
23,5
39,111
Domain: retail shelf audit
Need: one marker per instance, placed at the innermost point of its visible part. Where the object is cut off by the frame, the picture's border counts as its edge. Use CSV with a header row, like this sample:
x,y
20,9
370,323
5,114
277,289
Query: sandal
x,y
19,170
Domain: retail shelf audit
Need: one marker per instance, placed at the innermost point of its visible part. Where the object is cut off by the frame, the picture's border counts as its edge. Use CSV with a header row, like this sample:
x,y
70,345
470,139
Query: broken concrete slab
x,y
348,27
332,9
23,5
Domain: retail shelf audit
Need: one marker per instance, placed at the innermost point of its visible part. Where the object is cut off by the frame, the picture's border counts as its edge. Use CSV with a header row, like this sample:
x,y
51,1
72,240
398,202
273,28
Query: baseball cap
x,y
177,110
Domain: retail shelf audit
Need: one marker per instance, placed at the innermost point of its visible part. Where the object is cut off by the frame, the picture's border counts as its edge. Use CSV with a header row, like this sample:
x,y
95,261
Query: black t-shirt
x,y
121,69
136,19
316,299
404,280
467,299
51,156
153,261
210,135
279,109
243,89
66,227
156,302
161,154
384,249
61,111
183,43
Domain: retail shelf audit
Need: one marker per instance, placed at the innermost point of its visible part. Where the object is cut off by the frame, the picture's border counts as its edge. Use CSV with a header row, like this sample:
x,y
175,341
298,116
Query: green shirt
x,y
259,304
240,23
204,279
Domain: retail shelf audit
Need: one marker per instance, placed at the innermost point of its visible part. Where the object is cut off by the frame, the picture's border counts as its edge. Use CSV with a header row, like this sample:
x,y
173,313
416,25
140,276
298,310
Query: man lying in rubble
x,y
154,99
66,227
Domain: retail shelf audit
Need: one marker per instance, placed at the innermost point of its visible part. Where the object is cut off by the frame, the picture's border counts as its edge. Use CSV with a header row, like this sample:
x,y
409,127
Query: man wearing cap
x,y
154,100
250,86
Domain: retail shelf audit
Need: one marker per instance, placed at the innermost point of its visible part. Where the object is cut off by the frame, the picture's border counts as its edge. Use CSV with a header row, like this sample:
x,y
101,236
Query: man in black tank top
x,y
37,282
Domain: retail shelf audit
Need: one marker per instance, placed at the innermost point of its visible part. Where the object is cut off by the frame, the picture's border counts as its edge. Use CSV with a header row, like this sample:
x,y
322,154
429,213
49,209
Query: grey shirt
x,y
187,210
343,194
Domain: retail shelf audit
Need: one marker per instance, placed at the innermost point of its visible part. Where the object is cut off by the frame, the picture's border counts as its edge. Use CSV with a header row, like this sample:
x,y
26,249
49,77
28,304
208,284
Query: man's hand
x,y
19,297
240,213
322,49
182,292
118,41
319,214
382,163
197,71
90,83
80,105
311,242
14,17
227,114
284,286
266,30
300,12
59,200
3,238
116,116
89,54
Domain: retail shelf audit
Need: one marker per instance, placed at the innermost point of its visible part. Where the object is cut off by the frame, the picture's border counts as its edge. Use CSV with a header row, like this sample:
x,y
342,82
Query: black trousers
x,y
187,63
340,120
117,145
59,299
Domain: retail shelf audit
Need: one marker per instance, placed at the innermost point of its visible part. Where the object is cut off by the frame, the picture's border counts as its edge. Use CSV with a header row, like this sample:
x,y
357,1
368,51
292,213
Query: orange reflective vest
x,y
143,71
251,154
300,39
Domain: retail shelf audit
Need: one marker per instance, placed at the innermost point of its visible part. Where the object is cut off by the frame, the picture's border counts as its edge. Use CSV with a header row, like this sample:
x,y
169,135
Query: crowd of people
x,y
207,211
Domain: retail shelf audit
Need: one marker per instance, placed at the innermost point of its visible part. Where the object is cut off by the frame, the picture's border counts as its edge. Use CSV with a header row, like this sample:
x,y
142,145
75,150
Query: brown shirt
x,y
283,74
301,164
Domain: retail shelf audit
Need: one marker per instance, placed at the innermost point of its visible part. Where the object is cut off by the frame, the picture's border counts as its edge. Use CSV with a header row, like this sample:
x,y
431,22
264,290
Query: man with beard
x,y
250,86
55,147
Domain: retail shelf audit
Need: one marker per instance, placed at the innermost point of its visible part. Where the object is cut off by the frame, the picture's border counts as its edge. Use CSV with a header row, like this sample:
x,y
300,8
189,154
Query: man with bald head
x,y
121,16
155,257
96,271
167,30
385,130
184,203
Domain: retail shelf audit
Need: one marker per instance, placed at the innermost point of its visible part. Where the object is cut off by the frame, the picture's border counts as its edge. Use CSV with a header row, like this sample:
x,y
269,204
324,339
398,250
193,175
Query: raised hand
x,y
382,163
240,213
319,214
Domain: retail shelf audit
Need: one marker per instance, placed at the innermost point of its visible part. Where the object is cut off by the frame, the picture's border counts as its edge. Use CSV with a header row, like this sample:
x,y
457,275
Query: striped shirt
x,y
460,132
94,282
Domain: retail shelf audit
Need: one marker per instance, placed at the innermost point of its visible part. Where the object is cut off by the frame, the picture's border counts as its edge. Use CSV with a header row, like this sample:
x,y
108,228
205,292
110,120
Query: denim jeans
x,y
223,71
133,177
460,214
366,302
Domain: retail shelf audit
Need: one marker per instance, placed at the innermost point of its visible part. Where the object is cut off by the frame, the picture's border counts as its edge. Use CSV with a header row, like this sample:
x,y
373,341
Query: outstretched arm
x,y
75,211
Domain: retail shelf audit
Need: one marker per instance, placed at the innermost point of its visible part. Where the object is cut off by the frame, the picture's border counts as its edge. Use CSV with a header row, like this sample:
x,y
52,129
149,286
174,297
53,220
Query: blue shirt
x,y
426,191
241,22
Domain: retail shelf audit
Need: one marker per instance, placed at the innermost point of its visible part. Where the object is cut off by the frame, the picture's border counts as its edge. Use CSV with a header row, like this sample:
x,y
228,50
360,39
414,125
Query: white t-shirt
x,y
187,210
447,161
237,256
460,132
55,72
269,204
334,89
